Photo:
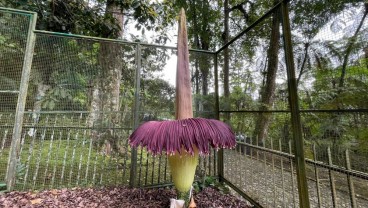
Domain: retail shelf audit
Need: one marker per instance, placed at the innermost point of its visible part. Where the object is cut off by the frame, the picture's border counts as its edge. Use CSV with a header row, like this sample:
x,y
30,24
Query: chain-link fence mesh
x,y
13,40
78,113
81,106
331,76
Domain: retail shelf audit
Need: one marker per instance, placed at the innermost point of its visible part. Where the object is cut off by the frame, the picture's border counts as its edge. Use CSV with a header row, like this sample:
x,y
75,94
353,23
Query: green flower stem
x,y
184,196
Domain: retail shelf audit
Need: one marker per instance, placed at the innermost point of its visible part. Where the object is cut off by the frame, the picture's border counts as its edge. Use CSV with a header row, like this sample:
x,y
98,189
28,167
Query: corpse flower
x,y
185,138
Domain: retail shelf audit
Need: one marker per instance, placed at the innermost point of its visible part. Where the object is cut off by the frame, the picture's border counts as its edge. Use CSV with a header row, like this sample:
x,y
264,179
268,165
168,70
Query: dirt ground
x,y
114,197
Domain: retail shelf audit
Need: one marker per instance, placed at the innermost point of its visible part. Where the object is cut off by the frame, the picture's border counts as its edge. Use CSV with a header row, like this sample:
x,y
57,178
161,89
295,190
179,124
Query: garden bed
x,y
114,197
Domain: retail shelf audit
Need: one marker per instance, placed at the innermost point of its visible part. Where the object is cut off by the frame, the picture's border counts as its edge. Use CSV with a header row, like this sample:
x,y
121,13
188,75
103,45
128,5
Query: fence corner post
x,y
220,153
133,162
21,102
294,108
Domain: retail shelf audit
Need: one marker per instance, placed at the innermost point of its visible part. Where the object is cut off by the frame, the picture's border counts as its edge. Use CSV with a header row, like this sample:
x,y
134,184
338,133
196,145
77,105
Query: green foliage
x,y
158,94
69,88
210,181
312,15
360,145
20,172
328,95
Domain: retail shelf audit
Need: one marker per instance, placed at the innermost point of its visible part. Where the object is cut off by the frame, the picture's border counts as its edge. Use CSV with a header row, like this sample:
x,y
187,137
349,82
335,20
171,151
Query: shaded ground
x,y
269,181
114,197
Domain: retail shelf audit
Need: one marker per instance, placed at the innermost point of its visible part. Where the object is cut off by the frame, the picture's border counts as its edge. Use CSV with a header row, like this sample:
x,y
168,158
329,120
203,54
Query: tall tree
x,y
105,104
103,18
268,90
226,68
106,88
350,46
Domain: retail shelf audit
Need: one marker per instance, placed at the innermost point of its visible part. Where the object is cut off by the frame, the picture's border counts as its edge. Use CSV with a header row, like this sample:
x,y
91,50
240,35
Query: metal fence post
x,y
21,102
331,177
294,108
220,153
353,202
133,162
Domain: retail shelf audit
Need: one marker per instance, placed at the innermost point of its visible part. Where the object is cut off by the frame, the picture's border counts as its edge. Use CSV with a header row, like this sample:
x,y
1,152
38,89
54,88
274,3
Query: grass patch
x,y
66,162
56,158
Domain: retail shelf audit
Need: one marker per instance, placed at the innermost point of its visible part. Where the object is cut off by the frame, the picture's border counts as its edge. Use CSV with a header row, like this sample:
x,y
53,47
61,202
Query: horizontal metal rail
x,y
302,111
66,127
242,193
284,154
335,111
115,40
17,11
354,173
10,91
68,112
256,111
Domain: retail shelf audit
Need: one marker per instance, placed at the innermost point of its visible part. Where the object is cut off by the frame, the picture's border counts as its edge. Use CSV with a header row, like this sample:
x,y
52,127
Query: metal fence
x,y
330,119
84,97
296,146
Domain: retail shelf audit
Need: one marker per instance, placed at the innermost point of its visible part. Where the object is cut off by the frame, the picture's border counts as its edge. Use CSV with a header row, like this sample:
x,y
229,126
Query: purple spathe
x,y
190,135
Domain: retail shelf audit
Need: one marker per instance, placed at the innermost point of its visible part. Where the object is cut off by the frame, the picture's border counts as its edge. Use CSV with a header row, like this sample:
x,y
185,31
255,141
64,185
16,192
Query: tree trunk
x,y
350,48
226,58
198,104
302,68
204,64
366,56
106,90
197,90
268,91
37,106
201,41
205,45
41,92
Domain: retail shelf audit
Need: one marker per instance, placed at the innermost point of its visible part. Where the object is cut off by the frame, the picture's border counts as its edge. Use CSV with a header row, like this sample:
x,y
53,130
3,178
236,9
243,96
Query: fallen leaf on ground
x,y
36,201
115,197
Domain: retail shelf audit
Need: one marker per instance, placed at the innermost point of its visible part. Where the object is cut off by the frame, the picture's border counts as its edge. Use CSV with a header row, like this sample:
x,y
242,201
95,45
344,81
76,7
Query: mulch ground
x,y
114,197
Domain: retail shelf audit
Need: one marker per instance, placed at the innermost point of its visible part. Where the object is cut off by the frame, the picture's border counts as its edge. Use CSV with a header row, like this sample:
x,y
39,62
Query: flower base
x,y
184,196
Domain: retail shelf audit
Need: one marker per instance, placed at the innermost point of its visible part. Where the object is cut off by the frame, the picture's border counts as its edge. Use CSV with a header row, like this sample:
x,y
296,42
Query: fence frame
x,y
22,95
133,166
28,58
293,103
295,112
294,108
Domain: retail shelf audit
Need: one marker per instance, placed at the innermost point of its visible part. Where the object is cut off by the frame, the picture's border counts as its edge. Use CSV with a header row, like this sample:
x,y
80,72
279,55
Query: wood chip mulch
x,y
114,197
